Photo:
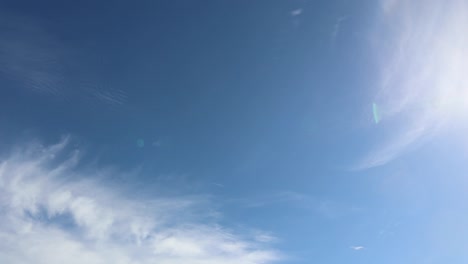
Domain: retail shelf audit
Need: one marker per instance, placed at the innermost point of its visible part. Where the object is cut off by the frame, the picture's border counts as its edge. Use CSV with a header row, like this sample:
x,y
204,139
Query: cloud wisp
x,y
296,12
51,211
421,49
336,28
357,248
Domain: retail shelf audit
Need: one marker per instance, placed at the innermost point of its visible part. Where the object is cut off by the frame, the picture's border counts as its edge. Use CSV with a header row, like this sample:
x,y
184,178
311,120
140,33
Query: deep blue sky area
x,y
320,123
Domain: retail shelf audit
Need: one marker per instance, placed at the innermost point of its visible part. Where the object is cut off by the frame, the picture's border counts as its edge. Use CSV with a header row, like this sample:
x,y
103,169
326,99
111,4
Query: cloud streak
x,y
52,211
422,86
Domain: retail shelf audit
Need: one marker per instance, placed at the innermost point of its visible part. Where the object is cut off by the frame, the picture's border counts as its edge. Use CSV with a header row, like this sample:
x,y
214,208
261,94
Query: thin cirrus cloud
x,y
30,56
421,49
48,217
34,59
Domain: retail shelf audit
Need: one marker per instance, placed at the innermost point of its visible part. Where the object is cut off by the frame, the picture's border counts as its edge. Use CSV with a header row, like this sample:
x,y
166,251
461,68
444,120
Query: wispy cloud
x,y
275,198
110,96
296,12
51,211
30,56
357,248
34,59
423,86
299,201
336,28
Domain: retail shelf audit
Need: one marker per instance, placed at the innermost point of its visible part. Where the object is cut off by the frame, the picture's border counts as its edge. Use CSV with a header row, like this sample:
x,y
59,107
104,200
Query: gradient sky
x,y
238,132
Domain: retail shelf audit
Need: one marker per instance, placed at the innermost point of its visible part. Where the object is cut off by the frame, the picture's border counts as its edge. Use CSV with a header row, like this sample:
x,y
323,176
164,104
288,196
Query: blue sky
x,y
233,132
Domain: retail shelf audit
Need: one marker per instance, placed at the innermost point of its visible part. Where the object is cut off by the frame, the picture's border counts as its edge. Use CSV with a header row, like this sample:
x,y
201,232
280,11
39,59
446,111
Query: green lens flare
x,y
140,143
375,110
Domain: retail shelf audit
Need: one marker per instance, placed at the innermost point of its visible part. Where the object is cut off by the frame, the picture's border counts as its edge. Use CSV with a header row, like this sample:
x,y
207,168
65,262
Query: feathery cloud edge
x,y
49,215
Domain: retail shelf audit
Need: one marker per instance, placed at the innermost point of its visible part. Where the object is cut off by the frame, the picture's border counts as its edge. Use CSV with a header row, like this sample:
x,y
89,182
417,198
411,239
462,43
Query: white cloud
x,y
421,47
357,248
51,212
